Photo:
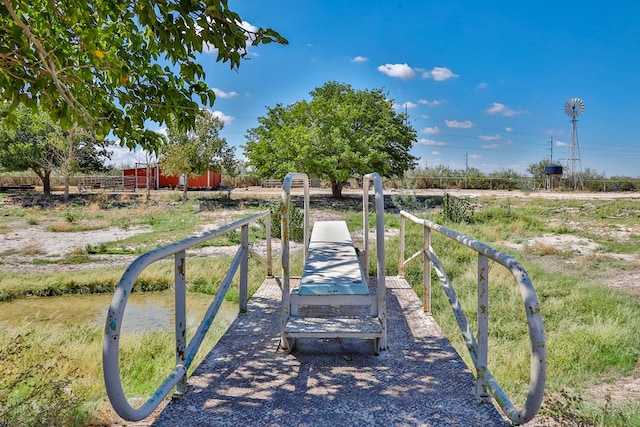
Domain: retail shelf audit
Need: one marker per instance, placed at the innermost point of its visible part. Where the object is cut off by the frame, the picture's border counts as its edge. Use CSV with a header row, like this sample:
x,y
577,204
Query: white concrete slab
x,y
332,266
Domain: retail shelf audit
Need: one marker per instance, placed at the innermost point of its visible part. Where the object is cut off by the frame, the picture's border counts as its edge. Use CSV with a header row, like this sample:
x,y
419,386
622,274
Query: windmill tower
x,y
573,169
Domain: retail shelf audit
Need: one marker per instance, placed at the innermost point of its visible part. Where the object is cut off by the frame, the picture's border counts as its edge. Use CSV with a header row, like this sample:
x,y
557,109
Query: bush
x,y
457,210
296,222
407,202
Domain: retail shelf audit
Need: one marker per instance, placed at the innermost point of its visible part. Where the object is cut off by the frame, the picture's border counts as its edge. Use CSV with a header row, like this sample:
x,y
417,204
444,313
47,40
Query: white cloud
x,y
222,94
562,144
475,156
439,74
121,156
424,116
431,131
508,129
460,125
490,146
400,71
482,85
360,59
489,137
125,157
552,131
431,103
498,108
407,105
435,153
222,116
425,141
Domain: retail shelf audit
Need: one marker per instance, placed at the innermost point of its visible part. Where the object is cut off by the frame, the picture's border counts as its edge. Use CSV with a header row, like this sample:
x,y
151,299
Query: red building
x,y
137,178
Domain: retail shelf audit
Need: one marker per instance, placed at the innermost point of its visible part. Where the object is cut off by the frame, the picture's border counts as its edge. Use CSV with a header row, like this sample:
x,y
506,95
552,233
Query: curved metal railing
x,y
184,354
478,348
285,239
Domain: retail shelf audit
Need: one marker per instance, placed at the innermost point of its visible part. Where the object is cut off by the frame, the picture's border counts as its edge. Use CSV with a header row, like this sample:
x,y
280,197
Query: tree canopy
x,y
192,153
36,143
113,65
341,133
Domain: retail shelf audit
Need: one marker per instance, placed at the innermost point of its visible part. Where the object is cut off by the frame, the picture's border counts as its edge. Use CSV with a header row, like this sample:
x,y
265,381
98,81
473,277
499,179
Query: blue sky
x,y
483,82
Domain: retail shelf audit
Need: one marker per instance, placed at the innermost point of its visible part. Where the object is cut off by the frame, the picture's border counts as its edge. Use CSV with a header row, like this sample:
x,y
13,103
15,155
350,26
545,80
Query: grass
x,y
592,331
53,376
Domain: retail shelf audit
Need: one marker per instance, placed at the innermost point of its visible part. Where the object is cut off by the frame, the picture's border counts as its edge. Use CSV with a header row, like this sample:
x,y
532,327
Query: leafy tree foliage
x,y
340,134
537,169
36,143
192,153
112,65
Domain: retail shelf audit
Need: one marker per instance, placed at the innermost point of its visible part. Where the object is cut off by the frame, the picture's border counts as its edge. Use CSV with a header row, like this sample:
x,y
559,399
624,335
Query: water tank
x,y
553,170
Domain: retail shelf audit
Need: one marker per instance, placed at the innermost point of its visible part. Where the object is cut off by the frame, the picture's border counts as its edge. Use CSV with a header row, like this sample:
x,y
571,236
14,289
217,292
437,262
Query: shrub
x,y
296,222
457,210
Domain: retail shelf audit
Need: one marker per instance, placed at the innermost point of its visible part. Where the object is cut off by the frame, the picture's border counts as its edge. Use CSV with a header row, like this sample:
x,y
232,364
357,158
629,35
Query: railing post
x,y
285,237
267,231
181,317
482,385
426,269
244,267
401,246
365,226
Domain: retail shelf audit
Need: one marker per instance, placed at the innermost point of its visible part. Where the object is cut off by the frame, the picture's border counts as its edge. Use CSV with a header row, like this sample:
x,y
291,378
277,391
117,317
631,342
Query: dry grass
x,y
33,248
545,249
61,227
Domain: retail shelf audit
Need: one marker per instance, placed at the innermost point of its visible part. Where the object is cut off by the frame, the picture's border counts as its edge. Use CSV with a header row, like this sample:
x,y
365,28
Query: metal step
x,y
362,327
334,305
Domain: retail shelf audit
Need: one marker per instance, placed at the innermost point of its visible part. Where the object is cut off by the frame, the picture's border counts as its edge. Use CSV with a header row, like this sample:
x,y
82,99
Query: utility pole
x,y
466,170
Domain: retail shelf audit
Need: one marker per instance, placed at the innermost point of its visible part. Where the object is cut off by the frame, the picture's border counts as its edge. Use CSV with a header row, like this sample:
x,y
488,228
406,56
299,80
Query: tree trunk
x,y
46,182
336,189
184,188
148,188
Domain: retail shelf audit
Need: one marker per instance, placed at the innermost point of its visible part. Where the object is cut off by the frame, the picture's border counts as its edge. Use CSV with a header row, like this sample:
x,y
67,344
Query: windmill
x,y
574,107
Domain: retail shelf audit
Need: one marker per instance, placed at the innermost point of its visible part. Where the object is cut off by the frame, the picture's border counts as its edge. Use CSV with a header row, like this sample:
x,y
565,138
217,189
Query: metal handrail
x,y
285,238
184,354
375,179
478,348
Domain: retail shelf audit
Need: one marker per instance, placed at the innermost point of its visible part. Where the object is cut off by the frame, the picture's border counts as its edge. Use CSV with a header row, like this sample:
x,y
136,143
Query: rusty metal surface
x,y
478,348
246,380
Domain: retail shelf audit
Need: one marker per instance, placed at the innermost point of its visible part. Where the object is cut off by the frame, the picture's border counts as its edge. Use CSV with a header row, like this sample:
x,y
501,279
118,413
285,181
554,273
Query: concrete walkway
x,y
246,381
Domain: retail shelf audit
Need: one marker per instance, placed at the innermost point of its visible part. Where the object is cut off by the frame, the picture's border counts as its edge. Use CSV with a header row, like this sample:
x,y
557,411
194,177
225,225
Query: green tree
x,y
112,65
36,143
78,151
192,153
505,179
341,133
537,169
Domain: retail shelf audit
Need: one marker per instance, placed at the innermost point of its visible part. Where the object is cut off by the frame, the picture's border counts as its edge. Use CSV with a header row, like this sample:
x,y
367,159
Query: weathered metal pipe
x,y
479,350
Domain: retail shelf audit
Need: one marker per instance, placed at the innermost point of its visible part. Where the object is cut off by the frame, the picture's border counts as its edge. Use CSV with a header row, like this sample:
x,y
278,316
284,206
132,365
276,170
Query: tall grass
x,y
53,376
592,331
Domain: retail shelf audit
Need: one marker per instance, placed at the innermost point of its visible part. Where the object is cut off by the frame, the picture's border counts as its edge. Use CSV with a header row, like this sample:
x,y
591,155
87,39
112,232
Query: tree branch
x,y
50,67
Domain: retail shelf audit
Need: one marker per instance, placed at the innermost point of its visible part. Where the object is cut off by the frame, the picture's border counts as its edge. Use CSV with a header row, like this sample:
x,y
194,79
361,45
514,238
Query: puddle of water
x,y
145,311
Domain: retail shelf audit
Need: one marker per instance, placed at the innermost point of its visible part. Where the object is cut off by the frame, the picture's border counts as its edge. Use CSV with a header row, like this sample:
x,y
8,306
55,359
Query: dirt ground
x,y
53,244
